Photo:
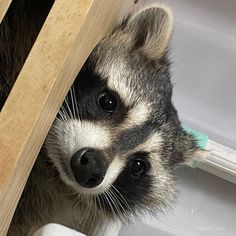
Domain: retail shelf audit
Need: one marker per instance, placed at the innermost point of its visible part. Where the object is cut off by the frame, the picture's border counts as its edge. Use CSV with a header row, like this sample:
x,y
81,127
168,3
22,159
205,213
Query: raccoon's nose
x,y
89,167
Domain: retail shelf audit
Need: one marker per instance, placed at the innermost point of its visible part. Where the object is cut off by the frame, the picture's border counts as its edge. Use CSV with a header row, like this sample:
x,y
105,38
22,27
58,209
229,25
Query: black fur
x,y
133,137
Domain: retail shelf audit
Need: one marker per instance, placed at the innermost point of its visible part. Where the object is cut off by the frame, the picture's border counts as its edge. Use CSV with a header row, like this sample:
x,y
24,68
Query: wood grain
x,y
4,5
69,34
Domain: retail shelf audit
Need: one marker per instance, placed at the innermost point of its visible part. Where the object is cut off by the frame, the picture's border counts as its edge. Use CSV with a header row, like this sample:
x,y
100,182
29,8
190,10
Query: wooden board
x,y
69,34
4,5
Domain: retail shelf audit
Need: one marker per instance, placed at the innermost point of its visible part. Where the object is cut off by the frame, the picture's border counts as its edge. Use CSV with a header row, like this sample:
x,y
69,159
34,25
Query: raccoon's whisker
x,y
116,203
119,201
58,126
62,108
69,109
78,199
57,119
73,103
94,214
122,198
123,210
53,142
101,207
51,139
102,216
63,113
61,116
109,203
87,213
131,209
52,133
123,190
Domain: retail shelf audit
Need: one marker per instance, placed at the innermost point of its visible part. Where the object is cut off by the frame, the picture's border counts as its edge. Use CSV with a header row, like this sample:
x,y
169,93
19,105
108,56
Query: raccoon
x,y
111,152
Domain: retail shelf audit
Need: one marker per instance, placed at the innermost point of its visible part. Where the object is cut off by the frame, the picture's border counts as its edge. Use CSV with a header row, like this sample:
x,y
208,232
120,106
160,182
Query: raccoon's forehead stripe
x,y
131,138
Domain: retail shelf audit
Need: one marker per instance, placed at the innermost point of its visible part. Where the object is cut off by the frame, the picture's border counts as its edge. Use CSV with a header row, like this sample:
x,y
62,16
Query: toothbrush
x,y
216,159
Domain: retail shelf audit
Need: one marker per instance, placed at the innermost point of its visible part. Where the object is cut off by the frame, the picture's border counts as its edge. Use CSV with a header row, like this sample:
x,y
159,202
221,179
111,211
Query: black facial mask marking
x,y
133,137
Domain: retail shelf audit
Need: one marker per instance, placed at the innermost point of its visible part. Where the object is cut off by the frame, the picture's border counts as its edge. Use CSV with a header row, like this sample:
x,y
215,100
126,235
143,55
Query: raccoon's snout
x,y
89,167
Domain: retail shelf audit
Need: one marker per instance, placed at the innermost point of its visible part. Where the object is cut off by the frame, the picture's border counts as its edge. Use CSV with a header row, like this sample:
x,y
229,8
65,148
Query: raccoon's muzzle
x,y
89,167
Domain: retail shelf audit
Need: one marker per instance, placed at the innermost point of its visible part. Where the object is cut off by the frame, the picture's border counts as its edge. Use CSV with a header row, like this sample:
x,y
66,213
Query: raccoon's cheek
x,y
163,187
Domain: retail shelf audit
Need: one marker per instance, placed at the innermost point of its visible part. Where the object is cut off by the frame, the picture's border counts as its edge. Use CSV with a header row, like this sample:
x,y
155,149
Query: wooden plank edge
x,y
97,15
4,5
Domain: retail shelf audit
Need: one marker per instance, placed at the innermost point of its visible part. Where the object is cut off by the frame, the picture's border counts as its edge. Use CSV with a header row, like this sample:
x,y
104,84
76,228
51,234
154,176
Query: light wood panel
x,y
69,34
4,5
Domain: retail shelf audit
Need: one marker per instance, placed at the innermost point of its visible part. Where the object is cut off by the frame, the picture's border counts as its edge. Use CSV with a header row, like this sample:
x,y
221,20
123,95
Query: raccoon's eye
x,y
108,102
137,167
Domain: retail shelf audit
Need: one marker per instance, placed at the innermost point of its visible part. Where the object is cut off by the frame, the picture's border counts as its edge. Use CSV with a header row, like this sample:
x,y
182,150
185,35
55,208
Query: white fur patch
x,y
72,135
139,113
119,84
119,77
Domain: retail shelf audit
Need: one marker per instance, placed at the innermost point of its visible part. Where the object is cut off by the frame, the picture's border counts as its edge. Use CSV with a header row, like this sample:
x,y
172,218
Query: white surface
x,y
206,206
204,60
56,230
219,160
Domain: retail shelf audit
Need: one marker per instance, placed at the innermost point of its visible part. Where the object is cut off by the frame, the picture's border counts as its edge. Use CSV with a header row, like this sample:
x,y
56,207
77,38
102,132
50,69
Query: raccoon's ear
x,y
151,31
185,148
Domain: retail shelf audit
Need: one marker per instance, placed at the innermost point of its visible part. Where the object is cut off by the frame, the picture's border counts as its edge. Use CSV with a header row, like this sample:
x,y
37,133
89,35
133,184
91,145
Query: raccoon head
x,y
117,136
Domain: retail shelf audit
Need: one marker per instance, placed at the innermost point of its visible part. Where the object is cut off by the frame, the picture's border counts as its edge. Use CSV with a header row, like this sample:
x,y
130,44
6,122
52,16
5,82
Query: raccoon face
x,y
117,136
